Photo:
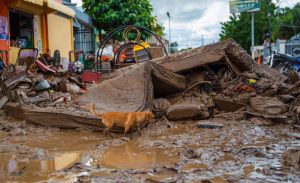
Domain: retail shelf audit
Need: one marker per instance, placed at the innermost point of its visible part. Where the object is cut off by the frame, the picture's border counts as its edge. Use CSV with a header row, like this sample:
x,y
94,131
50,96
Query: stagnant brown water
x,y
177,152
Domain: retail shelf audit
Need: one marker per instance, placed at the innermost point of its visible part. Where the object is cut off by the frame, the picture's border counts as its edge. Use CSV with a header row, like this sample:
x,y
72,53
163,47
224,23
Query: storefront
x,y
21,29
29,24
60,28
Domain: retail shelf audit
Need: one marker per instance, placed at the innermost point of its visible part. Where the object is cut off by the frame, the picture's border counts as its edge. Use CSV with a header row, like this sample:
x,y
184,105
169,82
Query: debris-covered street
x,y
222,119
167,152
117,101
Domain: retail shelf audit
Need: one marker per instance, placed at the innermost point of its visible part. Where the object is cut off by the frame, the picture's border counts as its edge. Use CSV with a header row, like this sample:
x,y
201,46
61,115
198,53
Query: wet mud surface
x,y
241,151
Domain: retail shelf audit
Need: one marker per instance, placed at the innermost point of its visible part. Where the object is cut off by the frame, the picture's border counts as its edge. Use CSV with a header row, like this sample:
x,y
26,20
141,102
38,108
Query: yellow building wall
x,y
60,34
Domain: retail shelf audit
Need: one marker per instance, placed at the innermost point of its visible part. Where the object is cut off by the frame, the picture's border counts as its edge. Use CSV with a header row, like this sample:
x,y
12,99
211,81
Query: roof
x,y
81,16
60,7
295,38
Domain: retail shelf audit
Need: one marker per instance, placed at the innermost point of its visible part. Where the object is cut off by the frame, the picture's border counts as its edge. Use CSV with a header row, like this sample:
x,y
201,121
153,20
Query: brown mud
x,y
165,152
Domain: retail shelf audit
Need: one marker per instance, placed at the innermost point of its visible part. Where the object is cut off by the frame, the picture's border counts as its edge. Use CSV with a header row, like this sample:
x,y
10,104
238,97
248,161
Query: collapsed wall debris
x,y
134,88
213,81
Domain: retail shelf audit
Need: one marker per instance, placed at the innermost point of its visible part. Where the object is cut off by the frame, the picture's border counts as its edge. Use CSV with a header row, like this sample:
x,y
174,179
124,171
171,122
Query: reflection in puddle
x,y
87,153
34,170
130,156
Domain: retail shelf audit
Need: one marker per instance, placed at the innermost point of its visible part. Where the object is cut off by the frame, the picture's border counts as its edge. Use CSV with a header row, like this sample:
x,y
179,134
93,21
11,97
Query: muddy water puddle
x,y
180,152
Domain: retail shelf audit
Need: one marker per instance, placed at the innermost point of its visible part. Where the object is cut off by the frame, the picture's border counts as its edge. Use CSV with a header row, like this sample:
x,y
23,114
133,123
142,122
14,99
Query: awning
x,y
51,4
30,6
37,2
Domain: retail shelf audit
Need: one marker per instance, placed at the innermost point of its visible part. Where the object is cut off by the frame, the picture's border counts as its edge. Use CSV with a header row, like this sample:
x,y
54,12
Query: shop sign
x,y
239,6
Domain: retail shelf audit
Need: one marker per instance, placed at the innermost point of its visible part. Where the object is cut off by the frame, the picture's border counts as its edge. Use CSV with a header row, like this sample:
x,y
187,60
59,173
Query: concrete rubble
x,y
196,84
206,86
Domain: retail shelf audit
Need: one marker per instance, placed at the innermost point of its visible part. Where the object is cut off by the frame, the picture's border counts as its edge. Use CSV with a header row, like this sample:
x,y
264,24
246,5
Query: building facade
x,y
42,24
84,29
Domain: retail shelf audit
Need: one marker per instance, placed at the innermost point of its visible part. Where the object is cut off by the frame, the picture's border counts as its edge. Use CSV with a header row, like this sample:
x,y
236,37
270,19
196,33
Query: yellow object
x,y
252,81
13,54
128,30
55,6
138,47
60,34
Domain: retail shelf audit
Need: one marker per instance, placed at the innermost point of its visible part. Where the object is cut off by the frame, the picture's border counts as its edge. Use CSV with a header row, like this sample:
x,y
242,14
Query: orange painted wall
x,y
3,12
4,44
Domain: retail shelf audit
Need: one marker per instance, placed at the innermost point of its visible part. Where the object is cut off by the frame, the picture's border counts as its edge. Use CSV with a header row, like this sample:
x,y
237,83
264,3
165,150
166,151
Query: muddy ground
x,y
241,151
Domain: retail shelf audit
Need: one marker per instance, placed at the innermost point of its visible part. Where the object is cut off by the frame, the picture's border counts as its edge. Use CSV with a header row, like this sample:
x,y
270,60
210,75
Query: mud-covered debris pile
x,y
215,81
31,86
223,79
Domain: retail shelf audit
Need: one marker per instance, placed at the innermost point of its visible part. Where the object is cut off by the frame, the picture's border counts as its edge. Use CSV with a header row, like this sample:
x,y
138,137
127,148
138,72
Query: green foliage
x,y
287,22
174,47
158,29
239,26
111,14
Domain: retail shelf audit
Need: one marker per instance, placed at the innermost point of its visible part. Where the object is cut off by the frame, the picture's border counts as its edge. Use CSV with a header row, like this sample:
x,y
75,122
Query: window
x,y
21,29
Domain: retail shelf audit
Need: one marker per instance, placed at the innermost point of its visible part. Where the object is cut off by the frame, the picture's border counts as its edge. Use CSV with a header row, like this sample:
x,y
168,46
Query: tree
x,y
239,26
111,14
174,47
157,28
288,23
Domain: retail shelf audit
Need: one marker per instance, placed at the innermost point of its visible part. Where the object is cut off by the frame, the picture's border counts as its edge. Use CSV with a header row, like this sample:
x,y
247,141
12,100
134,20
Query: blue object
x,y
42,85
1,65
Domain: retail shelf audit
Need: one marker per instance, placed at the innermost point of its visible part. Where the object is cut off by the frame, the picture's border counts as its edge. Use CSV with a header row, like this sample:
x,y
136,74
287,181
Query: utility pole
x,y
270,26
269,16
252,34
169,16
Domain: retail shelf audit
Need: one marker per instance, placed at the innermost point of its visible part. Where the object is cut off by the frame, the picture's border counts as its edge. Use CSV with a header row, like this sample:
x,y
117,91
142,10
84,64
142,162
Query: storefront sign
x,y
239,6
3,28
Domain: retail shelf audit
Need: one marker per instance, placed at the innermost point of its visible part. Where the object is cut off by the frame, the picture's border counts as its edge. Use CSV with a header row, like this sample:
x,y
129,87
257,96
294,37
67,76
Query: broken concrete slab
x,y
65,118
134,88
268,105
186,111
227,105
228,52
265,70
